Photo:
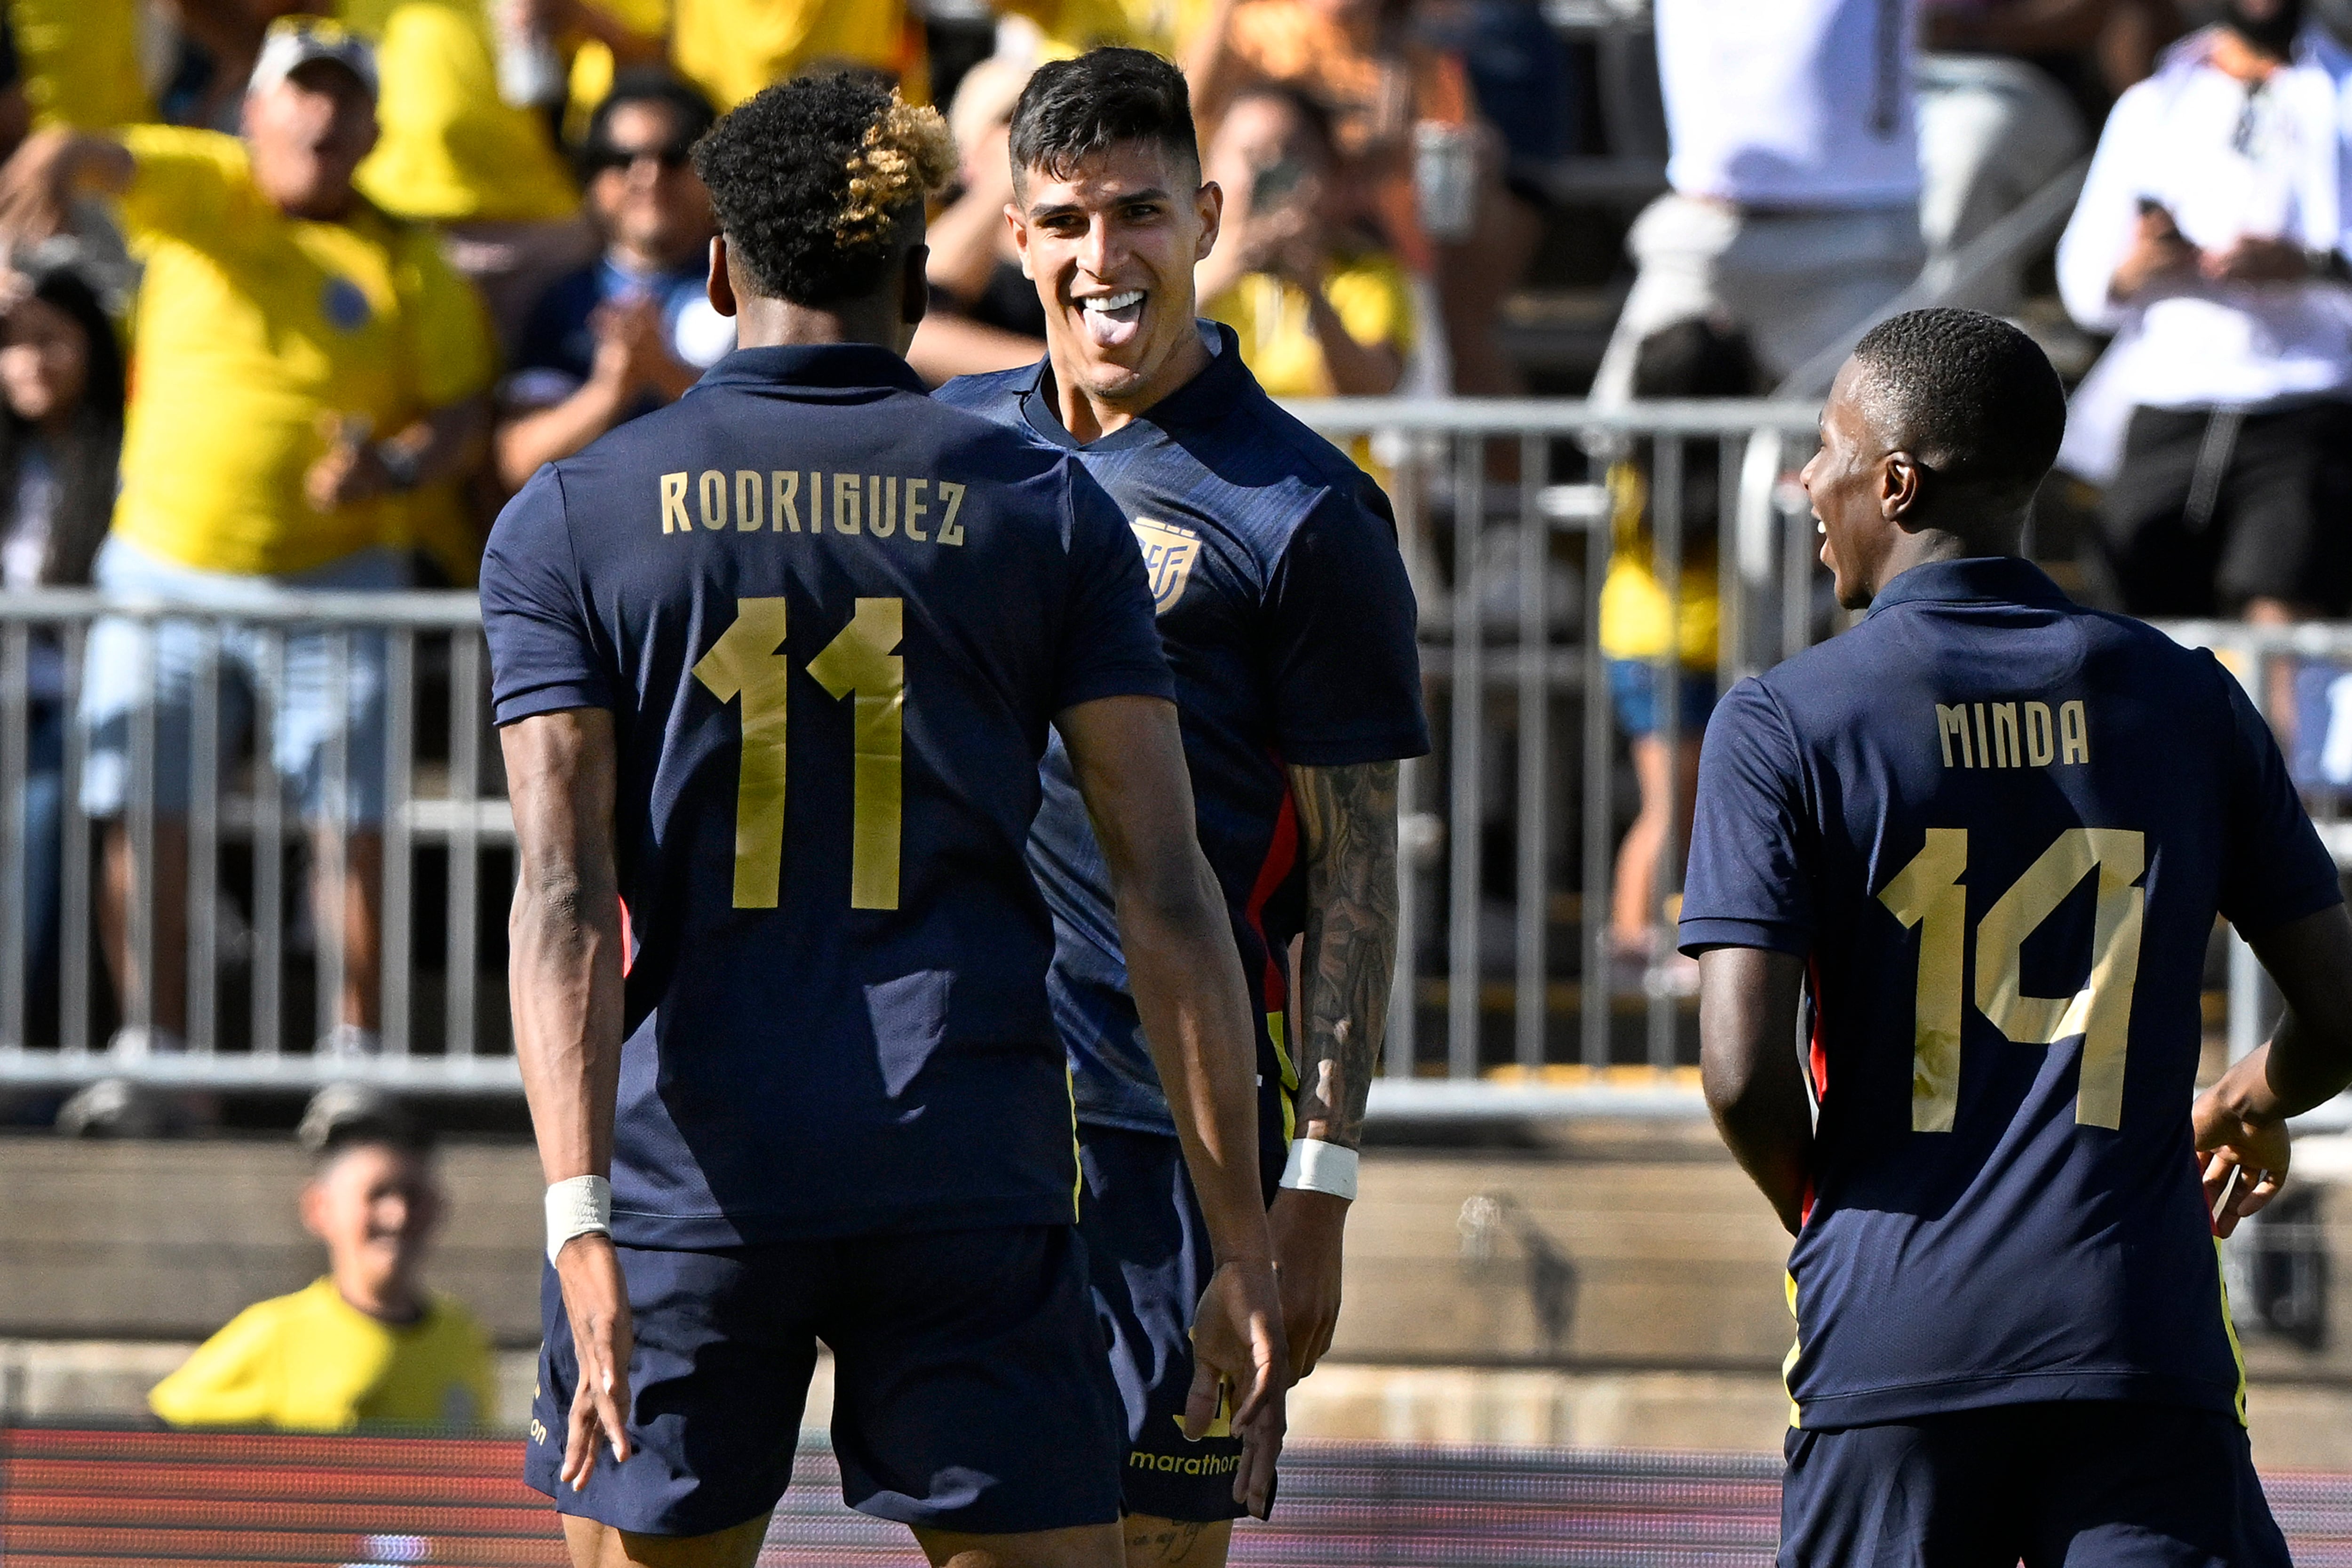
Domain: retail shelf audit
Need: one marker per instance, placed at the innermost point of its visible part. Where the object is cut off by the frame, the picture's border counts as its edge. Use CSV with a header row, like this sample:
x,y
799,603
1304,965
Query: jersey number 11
x,y
1927,893
749,661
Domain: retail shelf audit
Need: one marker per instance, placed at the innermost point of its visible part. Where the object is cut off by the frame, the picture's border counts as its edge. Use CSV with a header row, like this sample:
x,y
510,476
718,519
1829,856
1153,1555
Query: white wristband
x,y
580,1206
1316,1166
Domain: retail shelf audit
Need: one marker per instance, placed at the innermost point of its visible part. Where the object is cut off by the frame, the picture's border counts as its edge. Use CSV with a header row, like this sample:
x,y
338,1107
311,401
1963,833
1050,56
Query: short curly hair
x,y
1972,396
815,179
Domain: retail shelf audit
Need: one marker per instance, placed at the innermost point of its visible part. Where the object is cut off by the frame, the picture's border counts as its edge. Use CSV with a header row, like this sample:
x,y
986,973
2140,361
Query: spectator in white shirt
x,y
2208,239
1794,212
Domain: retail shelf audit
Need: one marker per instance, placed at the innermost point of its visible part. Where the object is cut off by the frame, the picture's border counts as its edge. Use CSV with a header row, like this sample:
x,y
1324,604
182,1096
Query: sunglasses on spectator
x,y
671,156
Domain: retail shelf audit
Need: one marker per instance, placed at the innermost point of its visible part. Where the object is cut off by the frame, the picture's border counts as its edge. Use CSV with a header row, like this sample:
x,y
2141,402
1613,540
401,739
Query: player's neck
x,y
1925,546
1089,417
762,323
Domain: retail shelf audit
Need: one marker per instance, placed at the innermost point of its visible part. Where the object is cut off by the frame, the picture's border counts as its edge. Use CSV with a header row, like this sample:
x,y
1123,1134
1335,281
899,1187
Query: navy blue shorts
x,y
970,1392
1148,1255
2084,1484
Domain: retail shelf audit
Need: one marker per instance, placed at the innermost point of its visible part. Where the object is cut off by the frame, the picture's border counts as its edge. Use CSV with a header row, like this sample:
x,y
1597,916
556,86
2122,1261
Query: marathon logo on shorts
x,y
2012,734
1169,553
1195,1464
788,500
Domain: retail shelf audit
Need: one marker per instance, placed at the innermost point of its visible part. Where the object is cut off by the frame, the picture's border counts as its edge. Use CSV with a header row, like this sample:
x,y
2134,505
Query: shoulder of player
x,y
992,394
1299,452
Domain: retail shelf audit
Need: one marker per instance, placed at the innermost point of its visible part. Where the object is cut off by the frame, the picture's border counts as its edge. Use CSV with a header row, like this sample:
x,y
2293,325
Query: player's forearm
x,y
1187,982
1748,1072
564,937
2309,1060
1348,825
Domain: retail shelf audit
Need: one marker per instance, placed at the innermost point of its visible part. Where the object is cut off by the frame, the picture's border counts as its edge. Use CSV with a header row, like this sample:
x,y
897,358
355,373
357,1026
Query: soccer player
x,y
1985,835
777,665
1290,625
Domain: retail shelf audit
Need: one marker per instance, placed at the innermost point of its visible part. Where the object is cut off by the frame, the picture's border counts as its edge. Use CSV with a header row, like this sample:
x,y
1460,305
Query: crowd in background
x,y
300,297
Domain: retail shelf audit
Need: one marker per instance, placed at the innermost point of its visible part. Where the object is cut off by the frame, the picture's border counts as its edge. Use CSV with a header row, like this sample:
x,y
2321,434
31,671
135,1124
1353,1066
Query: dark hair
x,y
688,107
1973,397
1311,112
815,180
346,1116
1074,108
103,387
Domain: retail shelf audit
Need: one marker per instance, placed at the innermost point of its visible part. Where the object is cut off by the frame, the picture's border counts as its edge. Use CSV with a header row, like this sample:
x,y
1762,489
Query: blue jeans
x,y
131,664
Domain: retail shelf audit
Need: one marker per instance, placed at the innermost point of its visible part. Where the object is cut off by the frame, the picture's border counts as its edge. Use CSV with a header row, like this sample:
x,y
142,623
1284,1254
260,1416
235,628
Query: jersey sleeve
x,y
185,185
1747,885
1343,665
2273,867
544,653
1111,639
227,1382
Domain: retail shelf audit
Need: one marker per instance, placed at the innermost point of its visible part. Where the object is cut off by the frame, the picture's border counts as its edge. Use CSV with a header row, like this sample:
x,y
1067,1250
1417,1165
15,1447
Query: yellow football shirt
x,y
80,62
251,329
1368,292
733,48
312,1361
452,150
1166,28
1637,620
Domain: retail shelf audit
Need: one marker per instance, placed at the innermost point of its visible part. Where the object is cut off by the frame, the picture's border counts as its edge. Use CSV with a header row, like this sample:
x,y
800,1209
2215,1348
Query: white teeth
x,y
1112,302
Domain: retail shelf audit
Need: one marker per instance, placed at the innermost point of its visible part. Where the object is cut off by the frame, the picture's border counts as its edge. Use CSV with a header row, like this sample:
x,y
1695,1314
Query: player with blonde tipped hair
x,y
776,666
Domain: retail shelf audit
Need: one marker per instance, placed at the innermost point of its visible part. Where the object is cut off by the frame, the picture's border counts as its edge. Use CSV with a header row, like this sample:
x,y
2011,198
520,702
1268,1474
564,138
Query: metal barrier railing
x,y
1511,1000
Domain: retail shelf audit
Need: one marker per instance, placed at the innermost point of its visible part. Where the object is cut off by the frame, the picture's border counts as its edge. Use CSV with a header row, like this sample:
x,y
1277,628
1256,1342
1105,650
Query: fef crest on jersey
x,y
1169,553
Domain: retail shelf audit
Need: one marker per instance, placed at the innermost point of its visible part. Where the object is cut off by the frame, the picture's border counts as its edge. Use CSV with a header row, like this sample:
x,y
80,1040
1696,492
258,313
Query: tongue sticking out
x,y
1112,329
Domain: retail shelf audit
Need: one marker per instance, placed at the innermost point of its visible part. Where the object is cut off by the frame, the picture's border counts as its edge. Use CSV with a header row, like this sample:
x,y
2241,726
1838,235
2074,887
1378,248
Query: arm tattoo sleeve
x,y
1348,828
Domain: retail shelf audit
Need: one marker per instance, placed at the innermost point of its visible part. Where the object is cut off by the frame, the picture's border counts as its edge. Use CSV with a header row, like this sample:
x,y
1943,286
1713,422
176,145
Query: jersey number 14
x,y
1927,893
748,661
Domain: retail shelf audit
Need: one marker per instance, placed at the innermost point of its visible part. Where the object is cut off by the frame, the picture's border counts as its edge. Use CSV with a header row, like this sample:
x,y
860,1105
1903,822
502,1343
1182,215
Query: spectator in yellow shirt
x,y
1319,310
80,61
304,366
1662,647
365,1344
733,48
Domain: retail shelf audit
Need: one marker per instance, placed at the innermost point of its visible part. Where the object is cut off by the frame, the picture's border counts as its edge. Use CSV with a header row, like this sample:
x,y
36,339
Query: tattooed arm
x,y
1348,832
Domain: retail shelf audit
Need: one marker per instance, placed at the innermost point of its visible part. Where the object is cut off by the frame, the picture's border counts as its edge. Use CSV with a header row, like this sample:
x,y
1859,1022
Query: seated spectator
x,y
305,365
366,1342
1645,634
984,313
61,391
1319,310
2209,240
633,329
1795,213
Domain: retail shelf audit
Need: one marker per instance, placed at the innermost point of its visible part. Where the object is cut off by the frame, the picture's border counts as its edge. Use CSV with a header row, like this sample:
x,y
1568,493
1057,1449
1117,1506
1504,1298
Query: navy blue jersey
x,y
838,1022
1997,827
1289,628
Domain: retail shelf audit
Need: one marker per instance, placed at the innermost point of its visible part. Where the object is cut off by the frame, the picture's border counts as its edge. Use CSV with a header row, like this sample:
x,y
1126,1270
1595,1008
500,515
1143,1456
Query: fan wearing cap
x,y
309,373
366,1342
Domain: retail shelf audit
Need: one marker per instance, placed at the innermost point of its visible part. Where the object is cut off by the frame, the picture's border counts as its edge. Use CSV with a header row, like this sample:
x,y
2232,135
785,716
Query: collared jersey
x,y
312,1361
1289,628
254,332
833,621
1998,827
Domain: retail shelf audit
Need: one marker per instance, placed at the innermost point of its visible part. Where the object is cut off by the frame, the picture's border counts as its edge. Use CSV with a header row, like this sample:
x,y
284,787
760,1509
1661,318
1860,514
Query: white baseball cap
x,y
293,42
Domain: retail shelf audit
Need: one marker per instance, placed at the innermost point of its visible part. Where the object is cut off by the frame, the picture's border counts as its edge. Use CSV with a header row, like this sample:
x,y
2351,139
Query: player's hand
x,y
1307,1230
2228,1143
596,1301
1237,1343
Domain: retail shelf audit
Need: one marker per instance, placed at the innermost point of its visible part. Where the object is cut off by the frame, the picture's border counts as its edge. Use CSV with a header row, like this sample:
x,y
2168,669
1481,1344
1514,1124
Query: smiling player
x,y
1987,832
1289,627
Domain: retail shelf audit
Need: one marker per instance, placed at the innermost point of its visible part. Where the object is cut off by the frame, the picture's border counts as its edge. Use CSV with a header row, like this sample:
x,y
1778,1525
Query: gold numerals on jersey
x,y
747,662
1926,893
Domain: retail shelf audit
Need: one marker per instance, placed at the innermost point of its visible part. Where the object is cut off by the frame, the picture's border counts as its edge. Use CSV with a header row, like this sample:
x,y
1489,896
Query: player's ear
x,y
1209,201
1898,486
719,286
1018,222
